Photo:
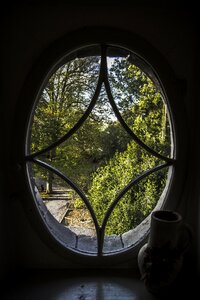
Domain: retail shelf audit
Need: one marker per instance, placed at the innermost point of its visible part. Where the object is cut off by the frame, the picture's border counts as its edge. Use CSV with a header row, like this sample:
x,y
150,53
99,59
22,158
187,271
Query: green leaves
x,y
101,157
144,111
137,203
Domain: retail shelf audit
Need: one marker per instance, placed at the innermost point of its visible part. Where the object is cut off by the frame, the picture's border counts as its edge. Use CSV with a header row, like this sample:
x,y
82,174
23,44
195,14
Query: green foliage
x,y
78,203
100,156
142,108
141,105
109,180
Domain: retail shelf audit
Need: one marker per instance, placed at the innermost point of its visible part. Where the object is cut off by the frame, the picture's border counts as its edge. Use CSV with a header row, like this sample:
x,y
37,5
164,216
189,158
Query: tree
x,y
63,101
143,109
101,156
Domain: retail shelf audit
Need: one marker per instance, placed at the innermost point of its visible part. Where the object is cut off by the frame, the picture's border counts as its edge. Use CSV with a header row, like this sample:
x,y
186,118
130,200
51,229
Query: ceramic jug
x,y
160,259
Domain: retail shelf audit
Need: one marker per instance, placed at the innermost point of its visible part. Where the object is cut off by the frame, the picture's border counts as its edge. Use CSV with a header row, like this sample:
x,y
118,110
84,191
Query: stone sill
x,y
85,285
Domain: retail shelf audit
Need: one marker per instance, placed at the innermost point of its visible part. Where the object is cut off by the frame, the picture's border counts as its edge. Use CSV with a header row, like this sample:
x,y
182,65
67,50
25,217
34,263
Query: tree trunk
x,y
49,184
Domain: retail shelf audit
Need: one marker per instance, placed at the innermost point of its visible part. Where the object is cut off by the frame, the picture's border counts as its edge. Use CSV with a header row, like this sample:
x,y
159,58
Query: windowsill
x,y
78,284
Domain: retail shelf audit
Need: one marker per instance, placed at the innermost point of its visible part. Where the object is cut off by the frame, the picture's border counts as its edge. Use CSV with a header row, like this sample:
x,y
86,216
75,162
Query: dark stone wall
x,y
27,29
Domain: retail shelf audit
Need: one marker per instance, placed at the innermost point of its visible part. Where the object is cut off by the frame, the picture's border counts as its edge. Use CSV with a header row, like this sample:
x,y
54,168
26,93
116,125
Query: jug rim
x,y
166,216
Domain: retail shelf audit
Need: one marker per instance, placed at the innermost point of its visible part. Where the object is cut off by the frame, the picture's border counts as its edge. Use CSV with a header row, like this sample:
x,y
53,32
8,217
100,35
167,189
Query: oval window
x,y
99,149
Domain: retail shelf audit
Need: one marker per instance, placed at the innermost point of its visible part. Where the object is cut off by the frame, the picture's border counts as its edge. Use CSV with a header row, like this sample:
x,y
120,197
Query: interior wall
x,y
27,29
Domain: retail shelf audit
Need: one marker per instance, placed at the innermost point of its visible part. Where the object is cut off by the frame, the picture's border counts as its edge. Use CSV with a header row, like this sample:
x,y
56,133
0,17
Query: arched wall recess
x,y
105,46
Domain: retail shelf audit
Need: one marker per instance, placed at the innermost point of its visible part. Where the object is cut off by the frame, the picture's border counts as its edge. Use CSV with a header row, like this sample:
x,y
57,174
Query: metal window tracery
x,y
33,157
